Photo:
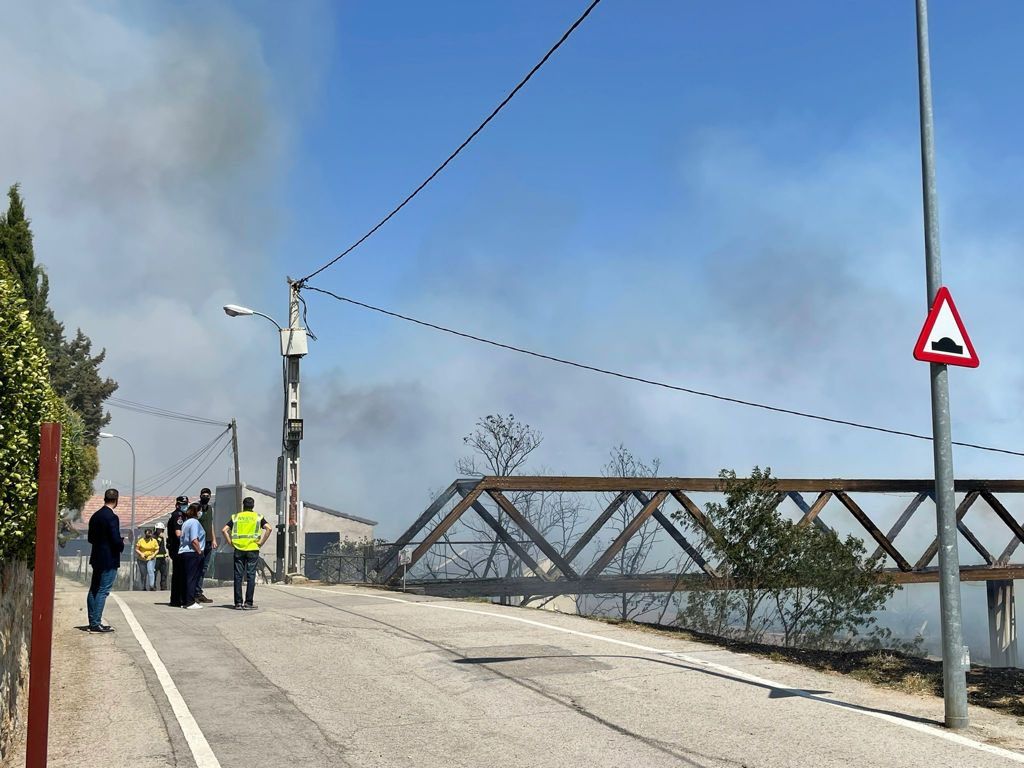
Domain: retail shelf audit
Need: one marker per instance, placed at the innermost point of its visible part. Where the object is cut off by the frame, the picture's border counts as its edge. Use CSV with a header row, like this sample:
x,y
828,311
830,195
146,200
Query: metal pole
x,y
130,448
955,659
131,555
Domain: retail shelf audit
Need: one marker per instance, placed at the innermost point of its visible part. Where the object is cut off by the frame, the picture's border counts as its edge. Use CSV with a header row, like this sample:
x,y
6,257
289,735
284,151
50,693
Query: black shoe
x,y
238,607
203,599
101,629
248,607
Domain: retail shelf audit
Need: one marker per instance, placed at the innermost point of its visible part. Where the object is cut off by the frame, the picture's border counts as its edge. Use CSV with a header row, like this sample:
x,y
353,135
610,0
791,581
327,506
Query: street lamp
x,y
289,455
131,557
235,310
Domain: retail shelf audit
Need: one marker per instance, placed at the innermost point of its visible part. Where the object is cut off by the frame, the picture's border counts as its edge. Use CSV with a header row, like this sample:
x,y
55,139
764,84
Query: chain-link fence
x,y
334,568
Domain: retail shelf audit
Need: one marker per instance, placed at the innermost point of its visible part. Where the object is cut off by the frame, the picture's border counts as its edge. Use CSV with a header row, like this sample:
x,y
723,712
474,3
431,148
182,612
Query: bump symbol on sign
x,y
946,344
944,339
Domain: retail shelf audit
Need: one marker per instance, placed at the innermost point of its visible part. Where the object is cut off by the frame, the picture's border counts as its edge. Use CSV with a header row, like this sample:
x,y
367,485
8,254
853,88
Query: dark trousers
x,y
191,566
245,565
177,581
207,554
161,572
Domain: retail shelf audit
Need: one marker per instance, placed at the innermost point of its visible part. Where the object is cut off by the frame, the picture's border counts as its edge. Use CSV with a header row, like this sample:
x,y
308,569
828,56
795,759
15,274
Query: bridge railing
x,y
545,567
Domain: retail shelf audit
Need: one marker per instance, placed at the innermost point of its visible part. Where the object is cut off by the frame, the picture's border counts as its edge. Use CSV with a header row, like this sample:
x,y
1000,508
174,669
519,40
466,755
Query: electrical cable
x,y
169,474
195,478
565,36
173,480
164,413
305,318
653,383
161,477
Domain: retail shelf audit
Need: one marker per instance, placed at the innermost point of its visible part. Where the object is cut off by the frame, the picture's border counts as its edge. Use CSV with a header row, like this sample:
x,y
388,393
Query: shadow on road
x,y
775,692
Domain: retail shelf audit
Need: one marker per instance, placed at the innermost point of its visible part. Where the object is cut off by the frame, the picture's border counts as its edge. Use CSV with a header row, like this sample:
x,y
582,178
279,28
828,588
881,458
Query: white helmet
x,y
161,527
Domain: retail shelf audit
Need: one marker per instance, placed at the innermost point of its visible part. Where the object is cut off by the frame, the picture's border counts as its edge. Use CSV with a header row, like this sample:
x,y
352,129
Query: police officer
x,y
247,532
174,524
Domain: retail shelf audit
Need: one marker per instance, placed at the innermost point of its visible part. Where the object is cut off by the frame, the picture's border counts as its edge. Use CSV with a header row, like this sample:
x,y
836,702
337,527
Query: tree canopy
x,y
72,367
43,377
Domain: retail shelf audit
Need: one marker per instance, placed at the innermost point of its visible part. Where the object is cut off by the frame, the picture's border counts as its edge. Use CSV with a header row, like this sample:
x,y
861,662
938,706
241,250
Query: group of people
x,y
191,549
151,557
190,543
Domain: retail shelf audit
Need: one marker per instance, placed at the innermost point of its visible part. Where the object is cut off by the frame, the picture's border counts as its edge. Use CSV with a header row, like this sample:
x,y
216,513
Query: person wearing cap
x,y
206,520
161,557
247,532
174,524
145,556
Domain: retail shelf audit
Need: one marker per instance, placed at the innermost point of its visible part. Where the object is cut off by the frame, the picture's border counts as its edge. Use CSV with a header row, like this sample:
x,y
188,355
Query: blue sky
x,y
601,131
721,195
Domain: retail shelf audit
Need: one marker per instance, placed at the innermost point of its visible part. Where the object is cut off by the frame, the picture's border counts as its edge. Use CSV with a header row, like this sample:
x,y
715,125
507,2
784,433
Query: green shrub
x,y
26,400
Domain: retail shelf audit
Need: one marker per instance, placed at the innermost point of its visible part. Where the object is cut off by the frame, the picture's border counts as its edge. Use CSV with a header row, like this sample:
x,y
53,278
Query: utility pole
x,y
238,476
293,346
955,658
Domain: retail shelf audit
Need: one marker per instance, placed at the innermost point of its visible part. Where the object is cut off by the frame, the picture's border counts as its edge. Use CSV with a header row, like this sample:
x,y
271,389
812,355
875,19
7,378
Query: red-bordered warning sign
x,y
944,338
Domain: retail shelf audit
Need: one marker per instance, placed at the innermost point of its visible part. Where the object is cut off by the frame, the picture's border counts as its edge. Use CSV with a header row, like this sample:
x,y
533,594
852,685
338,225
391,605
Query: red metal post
x,y
43,583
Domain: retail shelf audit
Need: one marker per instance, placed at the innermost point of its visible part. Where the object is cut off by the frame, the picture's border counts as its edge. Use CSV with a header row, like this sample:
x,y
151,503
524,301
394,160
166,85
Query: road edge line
x,y
202,753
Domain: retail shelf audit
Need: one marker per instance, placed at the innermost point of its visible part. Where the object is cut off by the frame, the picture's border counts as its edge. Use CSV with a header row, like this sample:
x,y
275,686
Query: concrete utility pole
x,y
955,657
293,347
238,474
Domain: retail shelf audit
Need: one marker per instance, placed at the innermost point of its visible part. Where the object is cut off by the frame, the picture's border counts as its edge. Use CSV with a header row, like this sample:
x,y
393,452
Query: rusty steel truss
x,y
562,575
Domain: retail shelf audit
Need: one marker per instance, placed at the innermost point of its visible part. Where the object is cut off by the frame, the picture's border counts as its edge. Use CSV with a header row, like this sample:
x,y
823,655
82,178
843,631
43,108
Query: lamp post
x,y
131,557
955,655
293,348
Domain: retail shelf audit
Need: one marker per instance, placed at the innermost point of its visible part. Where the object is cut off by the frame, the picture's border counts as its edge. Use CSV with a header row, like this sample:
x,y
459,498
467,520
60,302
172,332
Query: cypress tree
x,y
74,370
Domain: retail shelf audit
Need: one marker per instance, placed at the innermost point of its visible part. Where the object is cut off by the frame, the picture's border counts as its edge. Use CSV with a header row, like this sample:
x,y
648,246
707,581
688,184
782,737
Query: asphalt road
x,y
354,677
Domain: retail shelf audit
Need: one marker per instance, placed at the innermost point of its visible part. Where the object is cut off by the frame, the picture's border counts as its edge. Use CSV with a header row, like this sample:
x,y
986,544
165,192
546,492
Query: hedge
x,y
27,400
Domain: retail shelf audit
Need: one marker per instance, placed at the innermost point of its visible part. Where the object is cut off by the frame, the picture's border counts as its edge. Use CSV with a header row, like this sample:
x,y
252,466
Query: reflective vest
x,y
245,531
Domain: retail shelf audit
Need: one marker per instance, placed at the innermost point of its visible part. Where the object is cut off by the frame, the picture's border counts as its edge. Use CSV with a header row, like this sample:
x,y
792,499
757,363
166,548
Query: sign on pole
x,y
944,338
404,558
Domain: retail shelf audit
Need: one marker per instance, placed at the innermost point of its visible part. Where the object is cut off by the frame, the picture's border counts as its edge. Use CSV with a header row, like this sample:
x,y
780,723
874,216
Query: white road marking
x,y
929,730
201,751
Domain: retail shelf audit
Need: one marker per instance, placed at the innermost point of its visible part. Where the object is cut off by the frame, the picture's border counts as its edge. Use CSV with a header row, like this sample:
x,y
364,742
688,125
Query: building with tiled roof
x,y
149,510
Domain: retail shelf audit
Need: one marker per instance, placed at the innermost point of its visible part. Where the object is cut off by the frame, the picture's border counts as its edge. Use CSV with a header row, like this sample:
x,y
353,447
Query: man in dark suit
x,y
107,545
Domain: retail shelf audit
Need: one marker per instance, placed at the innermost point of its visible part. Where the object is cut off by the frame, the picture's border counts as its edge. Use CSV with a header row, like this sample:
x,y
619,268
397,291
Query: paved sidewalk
x,y
102,709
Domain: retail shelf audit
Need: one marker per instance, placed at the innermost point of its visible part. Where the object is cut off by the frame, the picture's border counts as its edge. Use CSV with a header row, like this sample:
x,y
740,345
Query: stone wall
x,y
15,629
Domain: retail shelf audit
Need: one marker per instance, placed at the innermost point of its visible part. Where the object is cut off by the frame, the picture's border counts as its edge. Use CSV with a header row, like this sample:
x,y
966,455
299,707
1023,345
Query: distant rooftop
x,y
148,510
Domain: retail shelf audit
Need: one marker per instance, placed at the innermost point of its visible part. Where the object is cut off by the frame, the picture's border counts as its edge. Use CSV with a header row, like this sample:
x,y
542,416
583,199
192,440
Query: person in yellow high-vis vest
x,y
247,531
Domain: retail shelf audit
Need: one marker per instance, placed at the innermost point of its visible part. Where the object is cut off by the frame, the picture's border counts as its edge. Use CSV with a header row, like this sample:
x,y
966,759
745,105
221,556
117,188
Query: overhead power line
x,y
161,477
652,382
565,36
193,479
169,475
162,413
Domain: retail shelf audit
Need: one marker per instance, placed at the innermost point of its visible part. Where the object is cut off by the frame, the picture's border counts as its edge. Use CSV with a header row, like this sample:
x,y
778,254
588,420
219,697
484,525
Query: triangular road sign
x,y
944,338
